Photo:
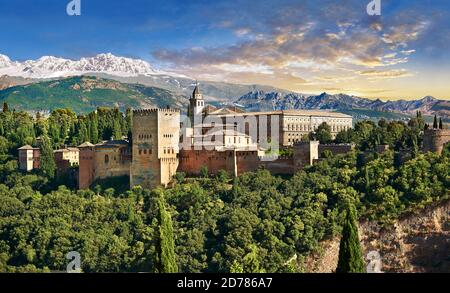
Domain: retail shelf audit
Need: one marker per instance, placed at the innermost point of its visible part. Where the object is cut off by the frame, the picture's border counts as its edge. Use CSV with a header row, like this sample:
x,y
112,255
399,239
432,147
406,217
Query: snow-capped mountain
x,y
52,67
122,69
5,62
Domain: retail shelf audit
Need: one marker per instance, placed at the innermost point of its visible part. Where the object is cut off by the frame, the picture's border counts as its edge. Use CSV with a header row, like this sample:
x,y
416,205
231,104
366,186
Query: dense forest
x,y
257,222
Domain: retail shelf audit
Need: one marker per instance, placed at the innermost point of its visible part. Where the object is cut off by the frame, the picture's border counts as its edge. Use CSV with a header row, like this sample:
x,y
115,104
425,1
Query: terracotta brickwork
x,y
86,166
192,161
232,161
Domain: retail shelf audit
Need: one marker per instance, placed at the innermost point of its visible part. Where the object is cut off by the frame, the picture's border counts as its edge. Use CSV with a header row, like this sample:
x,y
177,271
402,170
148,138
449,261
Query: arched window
x,y
106,159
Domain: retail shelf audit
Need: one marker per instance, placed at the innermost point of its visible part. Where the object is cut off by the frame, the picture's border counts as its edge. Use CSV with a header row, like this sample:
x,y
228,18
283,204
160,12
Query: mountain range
x,y
108,80
263,101
125,70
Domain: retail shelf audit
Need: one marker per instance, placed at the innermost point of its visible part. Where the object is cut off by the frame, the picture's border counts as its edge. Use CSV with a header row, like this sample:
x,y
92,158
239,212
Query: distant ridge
x,y
266,101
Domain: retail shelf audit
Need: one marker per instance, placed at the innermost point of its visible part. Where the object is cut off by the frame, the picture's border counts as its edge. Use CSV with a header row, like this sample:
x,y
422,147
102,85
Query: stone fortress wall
x,y
434,140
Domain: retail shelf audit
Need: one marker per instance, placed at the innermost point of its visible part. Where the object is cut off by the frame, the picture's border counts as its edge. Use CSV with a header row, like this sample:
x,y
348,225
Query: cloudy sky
x,y
300,45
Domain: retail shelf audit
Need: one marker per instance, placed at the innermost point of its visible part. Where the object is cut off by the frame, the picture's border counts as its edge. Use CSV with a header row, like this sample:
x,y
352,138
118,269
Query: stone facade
x,y
86,165
66,158
156,134
291,125
305,153
434,140
336,149
29,158
112,159
104,160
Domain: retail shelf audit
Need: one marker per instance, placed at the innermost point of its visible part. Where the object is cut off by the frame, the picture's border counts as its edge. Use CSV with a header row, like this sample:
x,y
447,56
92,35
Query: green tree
x,y
165,244
435,123
236,268
5,107
344,136
94,128
83,134
204,172
323,133
441,125
350,254
222,176
251,262
117,134
179,177
47,163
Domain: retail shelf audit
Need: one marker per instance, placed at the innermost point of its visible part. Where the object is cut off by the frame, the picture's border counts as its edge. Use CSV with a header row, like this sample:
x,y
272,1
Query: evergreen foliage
x,y
165,251
350,255
47,159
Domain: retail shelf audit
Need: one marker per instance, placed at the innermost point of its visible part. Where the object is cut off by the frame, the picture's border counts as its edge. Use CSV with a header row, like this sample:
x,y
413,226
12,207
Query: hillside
x,y
359,108
84,94
10,81
418,242
122,69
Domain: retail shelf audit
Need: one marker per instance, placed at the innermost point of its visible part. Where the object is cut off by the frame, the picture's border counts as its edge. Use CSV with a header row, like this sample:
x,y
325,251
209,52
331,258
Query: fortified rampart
x,y
434,140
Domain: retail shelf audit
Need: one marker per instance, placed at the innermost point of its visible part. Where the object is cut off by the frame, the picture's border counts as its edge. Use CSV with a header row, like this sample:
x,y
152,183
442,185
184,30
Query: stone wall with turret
x,y
434,140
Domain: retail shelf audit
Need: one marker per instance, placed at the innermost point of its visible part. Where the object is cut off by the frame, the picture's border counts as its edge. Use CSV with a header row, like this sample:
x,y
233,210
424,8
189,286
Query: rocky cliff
x,y
418,242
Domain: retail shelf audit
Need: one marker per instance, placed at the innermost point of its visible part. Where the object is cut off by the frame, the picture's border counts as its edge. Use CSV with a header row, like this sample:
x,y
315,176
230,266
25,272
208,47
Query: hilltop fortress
x,y
209,139
164,142
227,139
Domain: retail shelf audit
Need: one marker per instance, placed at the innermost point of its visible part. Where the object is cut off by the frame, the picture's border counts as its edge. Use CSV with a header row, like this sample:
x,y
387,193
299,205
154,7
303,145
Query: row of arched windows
x,y
144,136
145,151
169,151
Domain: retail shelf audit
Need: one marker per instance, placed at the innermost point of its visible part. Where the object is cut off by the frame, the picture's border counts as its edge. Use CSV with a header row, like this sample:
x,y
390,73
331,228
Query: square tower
x,y
156,134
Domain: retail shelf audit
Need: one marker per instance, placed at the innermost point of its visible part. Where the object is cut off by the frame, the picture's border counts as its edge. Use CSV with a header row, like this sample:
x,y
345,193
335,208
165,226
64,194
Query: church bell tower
x,y
196,107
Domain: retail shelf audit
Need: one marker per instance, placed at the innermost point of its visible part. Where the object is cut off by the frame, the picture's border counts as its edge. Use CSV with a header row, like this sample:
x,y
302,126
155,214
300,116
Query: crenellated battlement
x,y
435,139
144,112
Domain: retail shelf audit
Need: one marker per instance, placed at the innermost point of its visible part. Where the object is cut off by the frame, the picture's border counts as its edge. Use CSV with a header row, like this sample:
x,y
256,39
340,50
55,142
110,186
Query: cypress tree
x,y
435,123
441,126
5,107
117,134
367,180
165,245
350,255
47,163
94,128
83,134
2,130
